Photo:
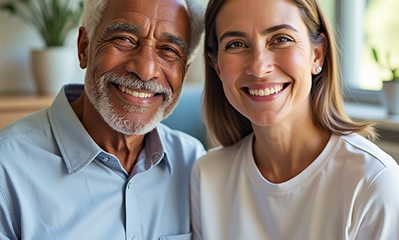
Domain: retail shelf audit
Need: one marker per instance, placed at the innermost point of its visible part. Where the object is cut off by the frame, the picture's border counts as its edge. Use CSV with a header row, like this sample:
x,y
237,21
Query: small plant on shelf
x,y
53,19
388,65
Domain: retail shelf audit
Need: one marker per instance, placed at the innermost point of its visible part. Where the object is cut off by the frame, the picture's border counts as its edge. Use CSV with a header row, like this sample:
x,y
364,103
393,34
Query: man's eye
x,y
170,52
123,39
124,42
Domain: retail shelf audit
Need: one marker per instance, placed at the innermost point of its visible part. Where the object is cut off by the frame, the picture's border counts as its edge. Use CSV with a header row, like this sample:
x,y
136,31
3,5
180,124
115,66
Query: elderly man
x,y
97,164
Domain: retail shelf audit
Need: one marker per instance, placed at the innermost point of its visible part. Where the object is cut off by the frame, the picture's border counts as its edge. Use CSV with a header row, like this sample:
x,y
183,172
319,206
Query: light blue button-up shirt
x,y
57,183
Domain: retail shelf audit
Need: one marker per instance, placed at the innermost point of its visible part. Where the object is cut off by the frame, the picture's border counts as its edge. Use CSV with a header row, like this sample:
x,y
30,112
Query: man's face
x,y
136,62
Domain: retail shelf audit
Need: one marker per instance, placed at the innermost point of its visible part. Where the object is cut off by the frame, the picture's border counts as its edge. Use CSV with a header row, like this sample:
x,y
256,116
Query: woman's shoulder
x,y
224,156
357,145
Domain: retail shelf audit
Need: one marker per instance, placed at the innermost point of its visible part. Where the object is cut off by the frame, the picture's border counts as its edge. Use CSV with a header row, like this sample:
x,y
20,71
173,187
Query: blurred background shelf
x,y
14,107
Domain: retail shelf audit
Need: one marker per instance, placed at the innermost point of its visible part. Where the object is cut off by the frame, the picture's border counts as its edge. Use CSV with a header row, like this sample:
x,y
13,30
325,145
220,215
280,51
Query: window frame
x,y
349,19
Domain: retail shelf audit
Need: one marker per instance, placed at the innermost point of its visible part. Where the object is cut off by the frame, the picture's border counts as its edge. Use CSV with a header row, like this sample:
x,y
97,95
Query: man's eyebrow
x,y
176,40
264,32
121,27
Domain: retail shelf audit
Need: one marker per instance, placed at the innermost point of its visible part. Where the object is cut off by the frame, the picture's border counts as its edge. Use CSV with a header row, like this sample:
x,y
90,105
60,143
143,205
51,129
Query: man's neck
x,y
126,148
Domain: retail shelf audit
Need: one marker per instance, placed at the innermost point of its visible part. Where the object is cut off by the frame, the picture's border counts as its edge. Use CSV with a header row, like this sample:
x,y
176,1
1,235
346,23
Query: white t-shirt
x,y
351,191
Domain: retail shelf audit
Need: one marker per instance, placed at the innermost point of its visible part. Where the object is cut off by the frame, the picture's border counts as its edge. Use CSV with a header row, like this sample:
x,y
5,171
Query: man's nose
x,y
261,63
144,63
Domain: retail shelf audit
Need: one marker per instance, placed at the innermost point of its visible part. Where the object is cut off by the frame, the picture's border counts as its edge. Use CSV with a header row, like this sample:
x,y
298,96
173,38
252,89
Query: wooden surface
x,y
14,107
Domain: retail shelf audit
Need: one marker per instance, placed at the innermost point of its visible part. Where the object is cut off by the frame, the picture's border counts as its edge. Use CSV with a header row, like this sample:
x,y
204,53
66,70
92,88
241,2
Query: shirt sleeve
x,y
6,224
195,203
378,214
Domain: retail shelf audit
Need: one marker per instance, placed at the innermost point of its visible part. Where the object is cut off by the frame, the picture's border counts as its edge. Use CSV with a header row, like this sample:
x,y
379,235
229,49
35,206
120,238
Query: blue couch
x,y
187,116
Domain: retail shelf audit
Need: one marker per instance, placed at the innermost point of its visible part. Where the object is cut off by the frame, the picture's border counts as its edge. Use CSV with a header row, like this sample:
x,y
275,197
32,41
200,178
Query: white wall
x,y
17,39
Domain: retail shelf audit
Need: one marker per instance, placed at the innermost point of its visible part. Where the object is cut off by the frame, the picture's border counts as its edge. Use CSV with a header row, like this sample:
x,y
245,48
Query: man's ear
x,y
83,44
214,64
187,67
319,52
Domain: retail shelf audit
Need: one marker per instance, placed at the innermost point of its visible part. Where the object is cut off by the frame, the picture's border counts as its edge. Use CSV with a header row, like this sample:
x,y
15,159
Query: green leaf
x,y
375,55
394,76
8,7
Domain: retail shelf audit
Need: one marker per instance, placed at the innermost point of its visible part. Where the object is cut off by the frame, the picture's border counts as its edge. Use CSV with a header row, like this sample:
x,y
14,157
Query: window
x,y
364,24
381,31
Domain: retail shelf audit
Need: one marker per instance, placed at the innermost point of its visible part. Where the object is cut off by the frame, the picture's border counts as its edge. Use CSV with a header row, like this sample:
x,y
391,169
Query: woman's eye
x,y
234,45
282,40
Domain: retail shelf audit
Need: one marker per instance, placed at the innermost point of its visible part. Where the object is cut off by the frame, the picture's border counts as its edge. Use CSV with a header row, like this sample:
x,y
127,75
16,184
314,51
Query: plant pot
x,y
391,91
53,67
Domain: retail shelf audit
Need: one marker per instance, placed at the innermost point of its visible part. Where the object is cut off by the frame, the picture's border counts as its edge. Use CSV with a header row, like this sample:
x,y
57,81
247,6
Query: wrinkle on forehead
x,y
155,11
152,8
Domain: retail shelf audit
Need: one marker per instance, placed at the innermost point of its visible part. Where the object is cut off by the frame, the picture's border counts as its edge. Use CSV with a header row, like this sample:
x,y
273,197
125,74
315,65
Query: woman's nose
x,y
261,63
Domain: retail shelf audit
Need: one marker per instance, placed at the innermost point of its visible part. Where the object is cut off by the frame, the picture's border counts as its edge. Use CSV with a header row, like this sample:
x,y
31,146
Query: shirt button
x,y
106,159
156,155
128,186
134,238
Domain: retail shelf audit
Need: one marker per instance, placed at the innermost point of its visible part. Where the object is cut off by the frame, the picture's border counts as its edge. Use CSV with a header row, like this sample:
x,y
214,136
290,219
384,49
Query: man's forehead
x,y
171,14
157,9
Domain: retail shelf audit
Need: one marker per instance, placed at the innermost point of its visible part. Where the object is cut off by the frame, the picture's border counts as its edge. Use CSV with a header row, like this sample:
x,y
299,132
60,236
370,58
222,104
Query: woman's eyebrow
x,y
264,32
278,27
231,34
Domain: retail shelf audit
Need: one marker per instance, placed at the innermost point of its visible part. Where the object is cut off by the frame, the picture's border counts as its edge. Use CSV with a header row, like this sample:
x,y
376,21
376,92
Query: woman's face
x,y
265,59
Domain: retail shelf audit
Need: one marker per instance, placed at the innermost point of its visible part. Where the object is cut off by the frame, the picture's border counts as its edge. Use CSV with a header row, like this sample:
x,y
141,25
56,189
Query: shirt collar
x,y
76,146
155,149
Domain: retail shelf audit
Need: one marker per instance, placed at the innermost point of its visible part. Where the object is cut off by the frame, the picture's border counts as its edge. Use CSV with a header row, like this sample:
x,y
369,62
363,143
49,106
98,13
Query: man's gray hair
x,y
93,9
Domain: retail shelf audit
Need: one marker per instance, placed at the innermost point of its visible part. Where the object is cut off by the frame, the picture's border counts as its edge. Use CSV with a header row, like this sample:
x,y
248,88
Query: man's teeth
x,y
135,93
266,91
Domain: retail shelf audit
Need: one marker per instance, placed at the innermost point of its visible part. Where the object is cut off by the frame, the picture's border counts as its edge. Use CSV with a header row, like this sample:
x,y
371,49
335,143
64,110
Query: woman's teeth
x,y
266,91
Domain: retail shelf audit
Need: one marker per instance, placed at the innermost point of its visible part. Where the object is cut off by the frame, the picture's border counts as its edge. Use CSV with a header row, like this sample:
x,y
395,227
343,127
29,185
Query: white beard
x,y
98,94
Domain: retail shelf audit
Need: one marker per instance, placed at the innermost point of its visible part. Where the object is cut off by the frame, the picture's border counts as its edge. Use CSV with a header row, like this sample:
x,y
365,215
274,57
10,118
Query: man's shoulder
x,y
21,140
226,157
179,145
25,127
176,137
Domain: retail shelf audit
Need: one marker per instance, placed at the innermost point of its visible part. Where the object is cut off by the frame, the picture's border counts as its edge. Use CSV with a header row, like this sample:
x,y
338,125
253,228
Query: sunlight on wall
x,y
381,26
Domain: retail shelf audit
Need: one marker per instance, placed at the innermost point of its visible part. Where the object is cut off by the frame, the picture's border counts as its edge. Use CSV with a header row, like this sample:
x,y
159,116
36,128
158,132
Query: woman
x,y
292,165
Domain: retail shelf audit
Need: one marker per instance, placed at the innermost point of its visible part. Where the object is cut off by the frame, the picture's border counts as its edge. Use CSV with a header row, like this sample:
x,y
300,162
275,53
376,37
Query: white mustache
x,y
134,82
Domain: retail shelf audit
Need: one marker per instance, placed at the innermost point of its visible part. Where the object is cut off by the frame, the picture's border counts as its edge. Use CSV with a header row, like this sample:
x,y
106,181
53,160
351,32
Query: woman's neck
x,y
283,151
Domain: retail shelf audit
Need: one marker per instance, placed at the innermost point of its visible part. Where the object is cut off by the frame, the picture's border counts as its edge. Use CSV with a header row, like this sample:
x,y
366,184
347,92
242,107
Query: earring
x,y
318,69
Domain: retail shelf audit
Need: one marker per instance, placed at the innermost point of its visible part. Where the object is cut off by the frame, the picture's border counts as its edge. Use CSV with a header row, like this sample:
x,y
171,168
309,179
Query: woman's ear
x,y
83,44
319,52
214,64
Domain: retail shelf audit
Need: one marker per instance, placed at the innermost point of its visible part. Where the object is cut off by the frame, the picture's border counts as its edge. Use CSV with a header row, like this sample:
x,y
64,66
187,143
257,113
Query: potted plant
x,y
390,86
54,20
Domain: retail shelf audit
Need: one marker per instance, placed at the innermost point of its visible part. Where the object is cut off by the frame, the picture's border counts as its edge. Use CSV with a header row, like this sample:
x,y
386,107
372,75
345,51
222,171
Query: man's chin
x,y
134,126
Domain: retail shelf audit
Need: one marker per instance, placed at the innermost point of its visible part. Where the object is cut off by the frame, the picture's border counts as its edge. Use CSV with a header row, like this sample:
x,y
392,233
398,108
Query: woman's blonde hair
x,y
227,126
